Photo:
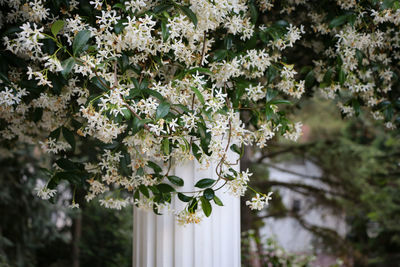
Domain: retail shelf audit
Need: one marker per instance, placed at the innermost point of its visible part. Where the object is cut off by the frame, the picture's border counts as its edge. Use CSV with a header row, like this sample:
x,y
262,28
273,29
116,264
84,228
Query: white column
x,y
158,241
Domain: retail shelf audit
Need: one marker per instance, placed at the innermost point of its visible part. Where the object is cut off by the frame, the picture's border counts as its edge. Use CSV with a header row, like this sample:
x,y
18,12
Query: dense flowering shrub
x,y
151,84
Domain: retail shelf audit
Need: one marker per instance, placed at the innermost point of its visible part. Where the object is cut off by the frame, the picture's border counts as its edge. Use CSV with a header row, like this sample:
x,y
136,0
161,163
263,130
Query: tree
x,y
359,171
39,233
152,84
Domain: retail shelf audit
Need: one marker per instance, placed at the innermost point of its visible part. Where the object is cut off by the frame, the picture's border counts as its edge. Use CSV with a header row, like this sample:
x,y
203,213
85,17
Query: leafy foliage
x,y
152,84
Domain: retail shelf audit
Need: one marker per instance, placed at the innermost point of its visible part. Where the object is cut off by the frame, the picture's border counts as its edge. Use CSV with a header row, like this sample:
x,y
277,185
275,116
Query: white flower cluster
x,y
185,217
366,54
51,145
112,203
258,202
294,131
146,86
288,84
238,186
44,192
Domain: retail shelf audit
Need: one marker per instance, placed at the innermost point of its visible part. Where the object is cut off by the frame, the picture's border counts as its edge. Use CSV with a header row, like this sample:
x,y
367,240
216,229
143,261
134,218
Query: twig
x,y
136,115
204,48
115,75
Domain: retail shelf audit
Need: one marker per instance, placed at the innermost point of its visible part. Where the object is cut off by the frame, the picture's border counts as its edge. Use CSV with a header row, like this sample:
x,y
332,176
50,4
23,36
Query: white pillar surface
x,y
158,241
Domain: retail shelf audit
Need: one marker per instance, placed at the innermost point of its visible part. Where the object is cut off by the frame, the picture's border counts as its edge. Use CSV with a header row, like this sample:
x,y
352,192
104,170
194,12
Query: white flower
x,y
97,3
45,193
112,203
255,93
238,186
294,132
171,125
185,217
258,203
74,205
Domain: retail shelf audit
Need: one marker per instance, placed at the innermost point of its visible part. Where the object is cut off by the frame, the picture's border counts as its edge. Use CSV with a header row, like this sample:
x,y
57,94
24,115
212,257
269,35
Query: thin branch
x,y
203,52
292,172
136,115
115,75
296,186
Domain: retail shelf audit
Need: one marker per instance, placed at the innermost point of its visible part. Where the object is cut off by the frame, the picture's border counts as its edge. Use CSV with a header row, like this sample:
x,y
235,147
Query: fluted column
x,y
158,241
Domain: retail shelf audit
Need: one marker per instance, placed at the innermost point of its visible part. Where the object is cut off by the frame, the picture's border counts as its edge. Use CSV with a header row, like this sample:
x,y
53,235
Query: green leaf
x,y
100,83
209,194
253,12
269,112
309,80
206,182
12,29
220,54
154,189
228,42
193,205
280,101
80,41
198,94
206,206
165,188
281,24
138,124
387,4
198,69
127,113
162,110
271,94
205,138
124,163
250,43
69,137
4,77
71,177
154,166
189,13
161,8
120,6
359,56
236,148
342,76
66,164
164,31
153,93
165,146
337,21
218,201
341,20
123,63
67,66
264,36
328,77
56,27
388,113
143,189
55,134
120,26
37,114
356,106
175,180
184,198
196,151
136,196
272,73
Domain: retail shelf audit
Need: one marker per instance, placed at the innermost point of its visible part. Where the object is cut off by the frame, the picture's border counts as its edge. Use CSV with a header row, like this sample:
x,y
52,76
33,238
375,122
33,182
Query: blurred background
x,y
336,202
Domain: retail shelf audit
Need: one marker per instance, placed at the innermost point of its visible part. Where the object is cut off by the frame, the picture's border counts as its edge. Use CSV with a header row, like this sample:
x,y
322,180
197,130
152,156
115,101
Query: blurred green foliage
x,y
34,232
360,164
